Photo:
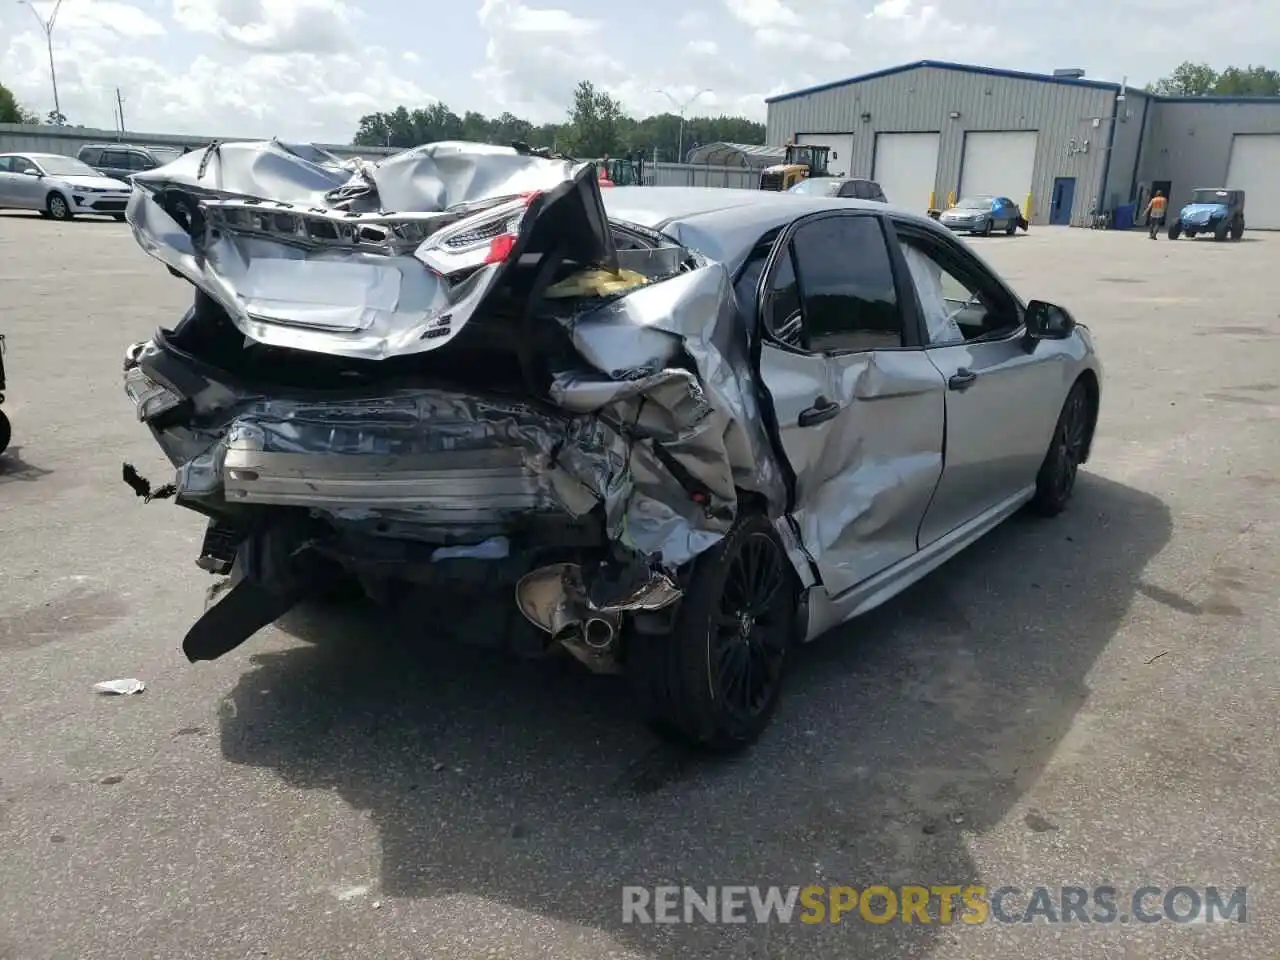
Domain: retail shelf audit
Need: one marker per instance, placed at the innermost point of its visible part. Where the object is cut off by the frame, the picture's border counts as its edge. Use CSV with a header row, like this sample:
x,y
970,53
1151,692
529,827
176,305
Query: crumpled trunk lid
x,y
338,267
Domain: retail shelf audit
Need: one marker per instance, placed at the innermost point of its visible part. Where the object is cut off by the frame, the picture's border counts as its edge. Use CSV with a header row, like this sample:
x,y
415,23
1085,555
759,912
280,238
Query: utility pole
x,y
681,107
120,105
47,27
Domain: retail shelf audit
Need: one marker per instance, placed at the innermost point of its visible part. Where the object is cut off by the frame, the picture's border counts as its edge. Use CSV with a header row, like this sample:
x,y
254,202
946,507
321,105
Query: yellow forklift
x,y
800,163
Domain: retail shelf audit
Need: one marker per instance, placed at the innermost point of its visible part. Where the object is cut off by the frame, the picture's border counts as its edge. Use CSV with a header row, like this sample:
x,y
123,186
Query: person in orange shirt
x,y
1155,213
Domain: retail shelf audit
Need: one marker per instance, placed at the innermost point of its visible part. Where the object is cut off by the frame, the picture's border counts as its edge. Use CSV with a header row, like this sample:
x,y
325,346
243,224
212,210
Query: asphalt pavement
x,y
1082,701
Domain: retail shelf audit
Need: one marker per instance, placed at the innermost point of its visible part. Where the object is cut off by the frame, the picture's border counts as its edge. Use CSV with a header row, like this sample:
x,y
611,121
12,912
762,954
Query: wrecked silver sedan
x,y
674,431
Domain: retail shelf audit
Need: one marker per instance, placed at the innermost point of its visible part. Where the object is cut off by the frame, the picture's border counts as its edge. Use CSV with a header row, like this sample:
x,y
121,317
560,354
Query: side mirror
x,y
1048,321
32,172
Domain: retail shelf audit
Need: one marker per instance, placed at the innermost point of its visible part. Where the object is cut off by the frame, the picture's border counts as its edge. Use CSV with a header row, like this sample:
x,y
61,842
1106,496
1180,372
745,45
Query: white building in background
x,y
931,130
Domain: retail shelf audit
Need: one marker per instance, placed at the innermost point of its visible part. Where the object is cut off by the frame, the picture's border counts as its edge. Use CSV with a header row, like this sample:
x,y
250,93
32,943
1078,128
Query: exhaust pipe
x,y
598,633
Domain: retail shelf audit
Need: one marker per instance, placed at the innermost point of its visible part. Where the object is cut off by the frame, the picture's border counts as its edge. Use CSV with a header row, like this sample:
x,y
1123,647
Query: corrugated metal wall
x,y
16,137
1189,142
922,100
699,175
1125,148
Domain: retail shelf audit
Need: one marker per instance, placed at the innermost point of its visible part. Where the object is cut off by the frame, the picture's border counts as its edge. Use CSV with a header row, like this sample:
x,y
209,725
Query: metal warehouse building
x,y
931,129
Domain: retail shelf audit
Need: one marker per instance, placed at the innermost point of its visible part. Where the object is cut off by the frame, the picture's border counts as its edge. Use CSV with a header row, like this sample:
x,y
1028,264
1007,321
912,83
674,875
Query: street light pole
x,y
681,107
47,27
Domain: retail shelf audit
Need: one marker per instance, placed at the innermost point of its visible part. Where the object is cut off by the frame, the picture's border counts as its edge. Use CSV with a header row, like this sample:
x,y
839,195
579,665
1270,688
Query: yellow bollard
x,y
1027,212
932,197
951,199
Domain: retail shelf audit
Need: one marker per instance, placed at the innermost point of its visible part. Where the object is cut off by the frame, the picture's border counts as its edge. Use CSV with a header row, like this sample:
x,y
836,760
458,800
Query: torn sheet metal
x,y
300,261
650,416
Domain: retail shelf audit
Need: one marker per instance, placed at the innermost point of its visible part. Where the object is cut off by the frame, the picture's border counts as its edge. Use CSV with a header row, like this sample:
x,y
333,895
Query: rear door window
x,y
115,159
846,285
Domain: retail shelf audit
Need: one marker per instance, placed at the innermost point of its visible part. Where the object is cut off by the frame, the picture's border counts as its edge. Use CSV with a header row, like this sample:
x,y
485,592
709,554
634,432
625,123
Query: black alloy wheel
x,y
714,681
747,645
1057,478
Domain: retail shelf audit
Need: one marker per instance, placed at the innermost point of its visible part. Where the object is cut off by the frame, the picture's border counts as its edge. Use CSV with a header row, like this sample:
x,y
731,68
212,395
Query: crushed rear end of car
x,y
450,371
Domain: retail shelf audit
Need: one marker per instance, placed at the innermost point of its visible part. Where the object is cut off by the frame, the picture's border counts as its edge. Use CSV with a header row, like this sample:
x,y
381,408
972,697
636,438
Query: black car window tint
x,y
784,317
847,285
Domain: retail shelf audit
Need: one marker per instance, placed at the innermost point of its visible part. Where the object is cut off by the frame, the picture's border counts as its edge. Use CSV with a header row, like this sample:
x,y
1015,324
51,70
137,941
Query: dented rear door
x,y
859,408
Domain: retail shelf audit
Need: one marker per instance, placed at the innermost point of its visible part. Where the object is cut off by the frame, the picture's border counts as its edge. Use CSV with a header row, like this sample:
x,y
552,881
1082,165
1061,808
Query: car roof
x,y
725,223
34,155
130,146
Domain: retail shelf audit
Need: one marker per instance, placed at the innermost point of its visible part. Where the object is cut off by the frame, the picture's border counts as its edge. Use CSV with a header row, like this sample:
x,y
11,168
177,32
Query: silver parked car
x,y
674,432
59,187
983,215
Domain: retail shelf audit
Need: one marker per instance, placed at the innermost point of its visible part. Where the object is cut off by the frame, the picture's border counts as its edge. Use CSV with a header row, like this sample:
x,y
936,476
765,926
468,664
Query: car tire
x,y
1221,230
57,207
6,432
1237,228
699,684
1057,477
987,227
1175,229
1012,228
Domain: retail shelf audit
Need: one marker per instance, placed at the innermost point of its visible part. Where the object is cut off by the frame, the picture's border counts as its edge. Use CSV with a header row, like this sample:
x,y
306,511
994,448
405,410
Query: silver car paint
x,y
21,191
996,437
864,481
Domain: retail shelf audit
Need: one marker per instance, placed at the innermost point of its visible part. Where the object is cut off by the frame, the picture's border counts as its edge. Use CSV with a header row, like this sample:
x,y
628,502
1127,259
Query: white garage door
x,y
1255,169
841,145
999,164
906,167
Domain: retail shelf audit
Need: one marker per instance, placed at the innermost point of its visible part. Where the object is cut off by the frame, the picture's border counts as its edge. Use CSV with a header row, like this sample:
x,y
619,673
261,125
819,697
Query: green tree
x,y
595,121
596,126
11,111
1201,80
1248,82
1187,80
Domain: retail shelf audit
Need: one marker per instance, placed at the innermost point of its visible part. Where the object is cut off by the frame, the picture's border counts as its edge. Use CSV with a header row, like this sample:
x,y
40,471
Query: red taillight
x,y
529,197
500,248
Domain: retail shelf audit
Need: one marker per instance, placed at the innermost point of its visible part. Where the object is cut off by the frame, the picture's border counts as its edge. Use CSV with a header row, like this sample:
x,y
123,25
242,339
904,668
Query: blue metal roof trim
x,y
1014,75
946,65
1265,101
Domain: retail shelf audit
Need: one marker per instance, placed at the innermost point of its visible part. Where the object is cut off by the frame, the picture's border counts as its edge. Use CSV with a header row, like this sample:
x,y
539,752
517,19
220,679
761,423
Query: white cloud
x,y
272,26
535,56
763,13
111,16
310,68
795,41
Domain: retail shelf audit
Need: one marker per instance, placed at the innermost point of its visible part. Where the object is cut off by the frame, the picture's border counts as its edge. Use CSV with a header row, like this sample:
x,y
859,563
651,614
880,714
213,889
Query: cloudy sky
x,y
310,68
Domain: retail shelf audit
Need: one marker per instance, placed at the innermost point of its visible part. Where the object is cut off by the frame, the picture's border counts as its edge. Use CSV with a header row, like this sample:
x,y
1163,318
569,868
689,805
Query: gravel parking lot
x,y
1089,700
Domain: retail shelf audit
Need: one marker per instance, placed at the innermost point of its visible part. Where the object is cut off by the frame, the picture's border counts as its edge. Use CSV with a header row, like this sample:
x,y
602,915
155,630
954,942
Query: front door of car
x,y
28,189
6,178
857,405
999,412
